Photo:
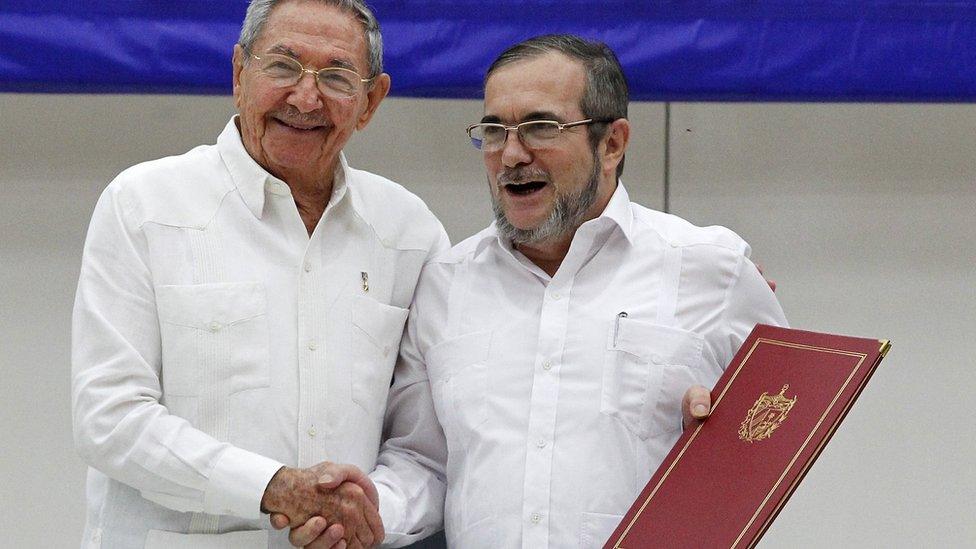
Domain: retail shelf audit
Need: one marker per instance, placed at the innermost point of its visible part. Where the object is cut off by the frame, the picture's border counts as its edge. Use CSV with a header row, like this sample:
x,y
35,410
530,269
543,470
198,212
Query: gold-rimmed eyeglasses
x,y
284,71
534,134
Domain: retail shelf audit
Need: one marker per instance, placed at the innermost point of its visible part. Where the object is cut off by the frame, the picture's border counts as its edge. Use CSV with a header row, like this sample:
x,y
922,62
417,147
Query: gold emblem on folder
x,y
766,415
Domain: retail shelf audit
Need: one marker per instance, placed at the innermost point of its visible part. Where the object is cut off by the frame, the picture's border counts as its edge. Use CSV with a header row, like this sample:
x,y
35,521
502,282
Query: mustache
x,y
293,115
520,175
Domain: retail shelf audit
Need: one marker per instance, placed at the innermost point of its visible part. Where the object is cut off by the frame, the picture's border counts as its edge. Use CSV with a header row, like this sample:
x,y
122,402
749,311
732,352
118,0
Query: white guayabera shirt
x,y
548,401
214,340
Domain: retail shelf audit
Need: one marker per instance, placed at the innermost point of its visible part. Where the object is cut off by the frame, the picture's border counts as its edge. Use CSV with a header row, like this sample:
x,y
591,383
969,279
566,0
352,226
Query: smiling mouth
x,y
524,189
300,126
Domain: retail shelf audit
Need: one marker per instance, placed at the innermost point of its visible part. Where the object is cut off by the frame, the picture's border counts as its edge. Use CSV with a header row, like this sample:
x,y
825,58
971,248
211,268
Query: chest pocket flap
x,y
459,382
213,333
382,323
657,344
647,370
375,343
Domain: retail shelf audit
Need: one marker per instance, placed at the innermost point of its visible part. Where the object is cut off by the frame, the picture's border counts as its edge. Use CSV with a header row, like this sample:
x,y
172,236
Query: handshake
x,y
326,506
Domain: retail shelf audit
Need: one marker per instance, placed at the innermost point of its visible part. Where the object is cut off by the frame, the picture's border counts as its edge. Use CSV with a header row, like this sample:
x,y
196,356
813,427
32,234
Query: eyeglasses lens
x,y
534,134
285,71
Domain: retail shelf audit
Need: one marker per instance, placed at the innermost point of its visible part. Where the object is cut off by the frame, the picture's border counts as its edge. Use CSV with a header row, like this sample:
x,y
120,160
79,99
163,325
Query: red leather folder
x,y
774,409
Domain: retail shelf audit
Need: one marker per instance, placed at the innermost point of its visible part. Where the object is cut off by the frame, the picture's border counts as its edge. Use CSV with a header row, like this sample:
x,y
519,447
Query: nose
x,y
305,94
514,152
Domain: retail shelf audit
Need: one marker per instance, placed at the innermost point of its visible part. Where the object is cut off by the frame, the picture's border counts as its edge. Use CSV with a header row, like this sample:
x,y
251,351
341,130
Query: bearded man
x,y
551,360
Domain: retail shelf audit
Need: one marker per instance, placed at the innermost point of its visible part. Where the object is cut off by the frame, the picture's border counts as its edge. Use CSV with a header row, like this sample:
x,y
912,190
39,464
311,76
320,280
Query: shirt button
x,y
308,266
536,518
541,443
214,326
97,536
555,295
312,346
311,431
547,365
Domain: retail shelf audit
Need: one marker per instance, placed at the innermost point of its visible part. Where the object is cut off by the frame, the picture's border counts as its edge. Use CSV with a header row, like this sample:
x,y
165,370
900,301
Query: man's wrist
x,y
237,483
293,493
271,491
283,488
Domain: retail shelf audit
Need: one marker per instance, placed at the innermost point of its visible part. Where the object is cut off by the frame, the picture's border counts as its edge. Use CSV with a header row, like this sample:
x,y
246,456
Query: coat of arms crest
x,y
766,415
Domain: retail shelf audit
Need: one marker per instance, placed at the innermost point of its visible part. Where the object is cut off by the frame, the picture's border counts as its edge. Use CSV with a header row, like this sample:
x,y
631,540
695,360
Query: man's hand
x,y
695,406
317,534
772,283
316,499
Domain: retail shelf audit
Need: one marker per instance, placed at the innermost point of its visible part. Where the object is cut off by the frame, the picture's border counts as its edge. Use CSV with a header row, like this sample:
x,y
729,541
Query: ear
x,y
238,63
618,135
374,97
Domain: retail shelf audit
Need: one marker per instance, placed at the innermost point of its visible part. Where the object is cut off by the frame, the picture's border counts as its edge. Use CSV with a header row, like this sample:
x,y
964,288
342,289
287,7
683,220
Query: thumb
x,y
332,476
696,405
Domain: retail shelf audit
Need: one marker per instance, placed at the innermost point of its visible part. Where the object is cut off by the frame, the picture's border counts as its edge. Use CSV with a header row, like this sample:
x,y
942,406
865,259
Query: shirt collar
x,y
253,181
617,213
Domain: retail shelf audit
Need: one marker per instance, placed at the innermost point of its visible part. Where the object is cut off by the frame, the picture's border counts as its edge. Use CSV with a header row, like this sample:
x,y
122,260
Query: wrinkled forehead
x,y
303,28
548,86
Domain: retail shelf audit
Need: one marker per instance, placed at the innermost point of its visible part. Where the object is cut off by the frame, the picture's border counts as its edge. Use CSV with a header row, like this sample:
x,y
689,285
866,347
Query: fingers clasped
x,y
339,509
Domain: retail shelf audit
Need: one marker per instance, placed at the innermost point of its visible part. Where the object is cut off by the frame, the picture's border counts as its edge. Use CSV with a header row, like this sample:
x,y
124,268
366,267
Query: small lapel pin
x,y
365,277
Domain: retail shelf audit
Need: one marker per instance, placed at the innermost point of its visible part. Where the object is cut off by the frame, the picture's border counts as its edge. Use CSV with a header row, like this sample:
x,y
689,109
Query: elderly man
x,y
240,306
550,360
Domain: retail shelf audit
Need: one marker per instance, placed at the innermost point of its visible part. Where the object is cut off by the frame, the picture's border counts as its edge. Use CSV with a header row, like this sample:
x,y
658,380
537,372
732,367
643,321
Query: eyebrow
x,y
534,115
285,50
342,63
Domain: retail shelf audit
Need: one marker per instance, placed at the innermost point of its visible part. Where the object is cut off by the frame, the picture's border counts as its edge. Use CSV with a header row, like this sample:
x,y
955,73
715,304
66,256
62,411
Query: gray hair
x,y
259,11
606,94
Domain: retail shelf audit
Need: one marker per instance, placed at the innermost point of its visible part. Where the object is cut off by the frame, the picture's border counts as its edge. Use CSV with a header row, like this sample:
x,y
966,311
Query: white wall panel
x,y
863,214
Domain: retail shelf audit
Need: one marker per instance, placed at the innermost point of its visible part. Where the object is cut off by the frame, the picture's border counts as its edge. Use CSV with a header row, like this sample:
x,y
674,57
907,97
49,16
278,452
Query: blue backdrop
x,y
796,50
